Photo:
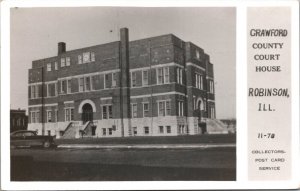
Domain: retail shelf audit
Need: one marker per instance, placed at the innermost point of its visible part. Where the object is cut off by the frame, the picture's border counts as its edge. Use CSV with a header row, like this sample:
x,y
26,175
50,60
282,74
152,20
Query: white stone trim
x,y
105,98
157,94
157,66
84,102
67,102
195,65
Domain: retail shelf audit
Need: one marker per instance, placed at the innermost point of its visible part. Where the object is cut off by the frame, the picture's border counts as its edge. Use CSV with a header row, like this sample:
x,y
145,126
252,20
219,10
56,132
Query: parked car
x,y
24,138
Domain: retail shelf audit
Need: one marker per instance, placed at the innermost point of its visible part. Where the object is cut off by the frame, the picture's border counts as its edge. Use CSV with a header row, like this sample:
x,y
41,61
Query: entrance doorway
x,y
87,113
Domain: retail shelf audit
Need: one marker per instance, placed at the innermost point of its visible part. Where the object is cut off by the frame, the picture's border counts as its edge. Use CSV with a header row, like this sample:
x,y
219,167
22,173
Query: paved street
x,y
202,163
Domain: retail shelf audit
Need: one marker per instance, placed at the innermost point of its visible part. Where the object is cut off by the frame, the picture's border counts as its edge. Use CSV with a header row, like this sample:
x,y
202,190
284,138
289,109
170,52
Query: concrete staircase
x,y
70,132
215,126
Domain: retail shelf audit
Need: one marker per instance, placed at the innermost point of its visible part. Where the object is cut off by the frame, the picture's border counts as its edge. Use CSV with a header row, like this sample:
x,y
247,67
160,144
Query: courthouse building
x,y
158,86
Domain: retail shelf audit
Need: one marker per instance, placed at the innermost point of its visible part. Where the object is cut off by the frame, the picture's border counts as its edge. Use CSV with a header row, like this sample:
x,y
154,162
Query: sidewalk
x,y
146,146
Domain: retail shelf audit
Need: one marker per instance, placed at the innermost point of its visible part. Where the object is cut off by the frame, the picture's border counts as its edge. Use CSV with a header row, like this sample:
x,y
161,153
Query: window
x,y
161,108
166,75
134,110
134,131
179,75
160,76
49,116
110,131
37,91
146,130
212,112
72,114
199,81
32,88
56,115
114,79
79,59
145,78
68,61
63,86
69,86
168,108
48,90
55,66
106,76
180,108
197,54
163,75
86,57
133,79
32,117
49,132
146,109
81,84
48,67
87,84
181,129
69,114
62,62
211,86
168,129
93,56
107,112
164,108
37,117
103,131
161,129
110,112
104,112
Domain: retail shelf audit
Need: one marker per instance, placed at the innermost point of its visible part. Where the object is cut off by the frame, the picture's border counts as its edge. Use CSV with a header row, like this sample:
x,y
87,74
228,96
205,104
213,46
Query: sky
x,y
35,33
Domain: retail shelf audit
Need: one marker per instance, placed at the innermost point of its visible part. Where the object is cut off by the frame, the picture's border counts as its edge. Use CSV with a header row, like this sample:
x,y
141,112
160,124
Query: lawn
x,y
188,139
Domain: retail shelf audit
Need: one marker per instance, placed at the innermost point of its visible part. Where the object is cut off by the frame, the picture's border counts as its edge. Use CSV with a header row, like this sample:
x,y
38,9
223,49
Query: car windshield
x,y
21,134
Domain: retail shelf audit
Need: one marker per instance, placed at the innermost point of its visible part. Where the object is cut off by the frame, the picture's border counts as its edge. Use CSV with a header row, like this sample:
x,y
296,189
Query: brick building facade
x,y
158,86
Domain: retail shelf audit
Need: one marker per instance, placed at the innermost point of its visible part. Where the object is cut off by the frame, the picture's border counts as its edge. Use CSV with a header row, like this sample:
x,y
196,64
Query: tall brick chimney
x,y
124,84
61,48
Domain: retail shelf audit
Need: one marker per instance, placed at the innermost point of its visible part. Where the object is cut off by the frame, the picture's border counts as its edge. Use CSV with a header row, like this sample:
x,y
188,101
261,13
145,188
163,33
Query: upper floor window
x,y
211,86
55,66
163,75
81,84
79,59
48,67
197,54
107,112
69,114
86,57
93,56
199,81
133,79
145,109
87,83
114,79
62,62
179,75
180,108
164,108
63,86
145,78
69,84
68,61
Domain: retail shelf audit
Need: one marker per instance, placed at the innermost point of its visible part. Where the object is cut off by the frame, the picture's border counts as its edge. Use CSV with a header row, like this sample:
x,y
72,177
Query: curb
x,y
153,146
